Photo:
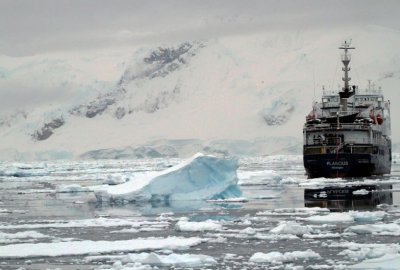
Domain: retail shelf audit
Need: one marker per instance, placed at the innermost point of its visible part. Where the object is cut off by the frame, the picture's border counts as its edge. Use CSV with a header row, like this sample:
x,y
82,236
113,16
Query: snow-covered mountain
x,y
244,94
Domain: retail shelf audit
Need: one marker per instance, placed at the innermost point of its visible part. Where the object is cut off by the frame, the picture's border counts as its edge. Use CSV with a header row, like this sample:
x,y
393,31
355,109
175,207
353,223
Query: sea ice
x,y
95,222
199,178
290,227
378,229
190,226
6,238
301,211
331,218
367,216
358,252
386,262
278,257
181,260
90,247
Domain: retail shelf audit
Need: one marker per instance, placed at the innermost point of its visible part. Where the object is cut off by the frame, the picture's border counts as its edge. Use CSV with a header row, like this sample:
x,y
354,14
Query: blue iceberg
x,y
201,177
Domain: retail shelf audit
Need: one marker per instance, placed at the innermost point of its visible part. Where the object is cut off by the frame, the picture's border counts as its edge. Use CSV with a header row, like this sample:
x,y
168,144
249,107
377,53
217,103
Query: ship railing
x,y
348,126
343,148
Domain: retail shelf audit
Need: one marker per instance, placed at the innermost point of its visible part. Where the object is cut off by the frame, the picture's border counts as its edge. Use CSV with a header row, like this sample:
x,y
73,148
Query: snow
x,y
89,247
228,102
198,178
276,257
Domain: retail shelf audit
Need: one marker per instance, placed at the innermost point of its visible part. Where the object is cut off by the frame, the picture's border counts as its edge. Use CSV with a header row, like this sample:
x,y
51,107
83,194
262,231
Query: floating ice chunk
x,y
199,178
360,192
367,216
379,229
88,247
181,260
230,200
248,230
96,222
386,262
278,257
6,238
291,180
301,211
190,226
290,227
357,252
331,218
115,179
322,235
5,211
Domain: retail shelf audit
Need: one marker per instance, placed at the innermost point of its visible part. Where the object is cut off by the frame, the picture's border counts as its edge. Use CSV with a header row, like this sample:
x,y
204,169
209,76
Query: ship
x,y
347,133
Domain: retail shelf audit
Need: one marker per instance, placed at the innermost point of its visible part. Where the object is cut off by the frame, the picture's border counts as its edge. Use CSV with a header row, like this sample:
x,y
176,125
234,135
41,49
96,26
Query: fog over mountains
x,y
242,93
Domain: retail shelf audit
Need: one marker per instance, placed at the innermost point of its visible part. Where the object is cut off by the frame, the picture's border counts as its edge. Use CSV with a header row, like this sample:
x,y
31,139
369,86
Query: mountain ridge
x,y
232,88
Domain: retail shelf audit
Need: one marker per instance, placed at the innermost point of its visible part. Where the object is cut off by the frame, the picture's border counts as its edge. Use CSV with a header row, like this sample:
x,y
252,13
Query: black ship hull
x,y
346,165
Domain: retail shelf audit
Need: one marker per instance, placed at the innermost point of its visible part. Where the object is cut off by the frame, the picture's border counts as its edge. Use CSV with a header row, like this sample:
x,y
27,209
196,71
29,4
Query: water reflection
x,y
158,207
360,197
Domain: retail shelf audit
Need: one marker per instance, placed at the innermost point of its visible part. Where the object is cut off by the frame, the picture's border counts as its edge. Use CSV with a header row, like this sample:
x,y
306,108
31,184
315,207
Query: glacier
x,y
145,100
201,177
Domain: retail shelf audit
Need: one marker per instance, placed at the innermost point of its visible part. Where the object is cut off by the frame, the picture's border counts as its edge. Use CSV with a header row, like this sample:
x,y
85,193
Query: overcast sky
x,y
37,26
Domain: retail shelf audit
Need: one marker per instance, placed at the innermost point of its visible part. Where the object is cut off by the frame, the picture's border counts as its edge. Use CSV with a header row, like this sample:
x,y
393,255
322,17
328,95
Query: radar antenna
x,y
346,91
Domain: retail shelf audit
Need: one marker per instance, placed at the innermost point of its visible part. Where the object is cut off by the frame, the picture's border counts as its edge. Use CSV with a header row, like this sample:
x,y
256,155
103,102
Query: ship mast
x,y
346,91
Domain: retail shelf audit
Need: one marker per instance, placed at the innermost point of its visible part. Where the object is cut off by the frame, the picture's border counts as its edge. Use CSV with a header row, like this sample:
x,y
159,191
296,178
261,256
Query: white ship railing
x,y
351,126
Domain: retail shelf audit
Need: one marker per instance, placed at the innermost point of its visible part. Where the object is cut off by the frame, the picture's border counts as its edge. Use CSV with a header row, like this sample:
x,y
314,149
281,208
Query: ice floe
x,y
276,257
174,259
330,218
377,229
91,247
367,216
358,252
191,226
154,260
198,178
96,222
386,262
26,236
290,227
301,211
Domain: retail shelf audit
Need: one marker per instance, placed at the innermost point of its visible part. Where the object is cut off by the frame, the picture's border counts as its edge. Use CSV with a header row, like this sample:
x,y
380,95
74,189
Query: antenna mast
x,y
346,91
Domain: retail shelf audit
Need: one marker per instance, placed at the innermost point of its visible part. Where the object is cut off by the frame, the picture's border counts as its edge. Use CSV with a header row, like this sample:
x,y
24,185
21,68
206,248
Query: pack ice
x,y
201,177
